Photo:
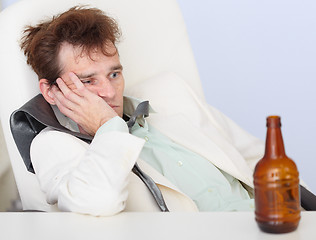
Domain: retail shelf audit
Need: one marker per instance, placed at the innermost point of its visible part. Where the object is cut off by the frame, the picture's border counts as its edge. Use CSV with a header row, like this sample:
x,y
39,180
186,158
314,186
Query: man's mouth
x,y
113,106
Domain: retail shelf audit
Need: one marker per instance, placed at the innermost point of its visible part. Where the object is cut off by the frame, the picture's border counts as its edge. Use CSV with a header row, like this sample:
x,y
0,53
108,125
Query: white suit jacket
x,y
189,121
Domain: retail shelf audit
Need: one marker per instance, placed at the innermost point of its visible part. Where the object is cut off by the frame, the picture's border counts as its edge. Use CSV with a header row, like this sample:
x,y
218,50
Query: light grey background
x,y
257,58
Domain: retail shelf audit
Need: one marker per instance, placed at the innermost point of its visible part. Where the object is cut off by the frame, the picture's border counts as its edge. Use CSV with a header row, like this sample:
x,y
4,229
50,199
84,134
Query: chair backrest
x,y
154,41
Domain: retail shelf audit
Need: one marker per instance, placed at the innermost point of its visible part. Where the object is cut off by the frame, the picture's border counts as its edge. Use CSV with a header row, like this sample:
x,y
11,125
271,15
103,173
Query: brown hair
x,y
87,28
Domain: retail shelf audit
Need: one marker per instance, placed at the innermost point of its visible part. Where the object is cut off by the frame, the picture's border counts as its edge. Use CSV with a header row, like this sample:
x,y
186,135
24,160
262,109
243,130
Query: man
x,y
206,167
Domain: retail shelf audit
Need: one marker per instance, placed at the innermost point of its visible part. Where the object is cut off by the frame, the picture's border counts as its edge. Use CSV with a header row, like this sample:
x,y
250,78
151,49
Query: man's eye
x,y
86,81
114,74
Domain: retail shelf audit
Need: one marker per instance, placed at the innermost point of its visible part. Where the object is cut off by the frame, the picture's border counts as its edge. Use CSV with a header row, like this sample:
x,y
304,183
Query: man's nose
x,y
106,89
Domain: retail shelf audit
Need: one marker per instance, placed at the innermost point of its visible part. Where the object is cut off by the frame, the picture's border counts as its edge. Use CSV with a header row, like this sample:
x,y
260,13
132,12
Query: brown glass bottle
x,y
276,184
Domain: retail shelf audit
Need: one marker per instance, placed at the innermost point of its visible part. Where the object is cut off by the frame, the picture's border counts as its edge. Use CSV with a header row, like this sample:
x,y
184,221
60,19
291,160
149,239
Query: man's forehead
x,y
77,52
74,55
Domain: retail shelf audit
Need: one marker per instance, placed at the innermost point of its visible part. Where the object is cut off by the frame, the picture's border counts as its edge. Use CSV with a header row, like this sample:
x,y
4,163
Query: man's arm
x,y
90,179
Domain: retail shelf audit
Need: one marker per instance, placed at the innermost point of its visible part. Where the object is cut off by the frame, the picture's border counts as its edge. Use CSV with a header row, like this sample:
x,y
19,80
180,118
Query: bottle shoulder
x,y
280,168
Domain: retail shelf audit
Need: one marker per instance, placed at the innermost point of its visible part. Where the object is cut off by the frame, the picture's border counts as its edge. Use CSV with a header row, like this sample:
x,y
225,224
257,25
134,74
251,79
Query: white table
x,y
193,226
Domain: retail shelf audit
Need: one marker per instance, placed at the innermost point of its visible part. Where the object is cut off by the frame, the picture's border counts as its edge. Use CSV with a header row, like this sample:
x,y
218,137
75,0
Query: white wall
x,y
258,58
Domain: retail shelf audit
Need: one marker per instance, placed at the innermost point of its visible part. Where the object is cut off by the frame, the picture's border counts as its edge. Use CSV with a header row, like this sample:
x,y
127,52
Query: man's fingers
x,y
63,88
64,107
68,93
79,85
61,100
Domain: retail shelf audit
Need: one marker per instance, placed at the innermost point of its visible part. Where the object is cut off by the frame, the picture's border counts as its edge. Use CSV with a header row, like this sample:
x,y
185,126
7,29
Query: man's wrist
x,y
114,124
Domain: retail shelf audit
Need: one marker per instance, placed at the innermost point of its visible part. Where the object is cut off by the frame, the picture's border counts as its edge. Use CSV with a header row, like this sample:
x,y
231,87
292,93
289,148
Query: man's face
x,y
101,74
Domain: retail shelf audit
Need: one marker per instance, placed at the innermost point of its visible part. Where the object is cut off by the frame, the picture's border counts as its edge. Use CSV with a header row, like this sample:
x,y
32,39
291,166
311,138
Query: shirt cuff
x,y
116,124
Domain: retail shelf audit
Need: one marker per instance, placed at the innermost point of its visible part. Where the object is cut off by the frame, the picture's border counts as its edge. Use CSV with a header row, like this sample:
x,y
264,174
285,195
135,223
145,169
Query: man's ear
x,y
45,89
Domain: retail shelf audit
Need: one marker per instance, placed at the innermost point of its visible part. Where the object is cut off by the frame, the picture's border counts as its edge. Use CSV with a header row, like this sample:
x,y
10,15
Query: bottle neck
x,y
274,141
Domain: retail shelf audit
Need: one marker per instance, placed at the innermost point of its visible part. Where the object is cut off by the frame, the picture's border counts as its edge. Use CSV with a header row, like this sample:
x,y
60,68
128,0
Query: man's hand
x,y
87,109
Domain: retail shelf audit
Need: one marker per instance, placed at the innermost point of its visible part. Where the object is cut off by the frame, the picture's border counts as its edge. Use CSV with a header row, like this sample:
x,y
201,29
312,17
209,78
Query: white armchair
x,y
154,41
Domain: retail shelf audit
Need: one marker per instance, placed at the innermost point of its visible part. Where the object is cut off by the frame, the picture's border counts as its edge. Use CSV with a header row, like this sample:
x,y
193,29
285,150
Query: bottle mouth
x,y
274,121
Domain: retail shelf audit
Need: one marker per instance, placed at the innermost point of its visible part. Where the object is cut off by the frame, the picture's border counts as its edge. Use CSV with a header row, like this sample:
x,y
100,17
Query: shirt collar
x,y
130,104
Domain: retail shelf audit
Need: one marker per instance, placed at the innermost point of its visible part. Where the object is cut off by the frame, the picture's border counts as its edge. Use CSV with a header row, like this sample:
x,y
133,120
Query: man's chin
x,y
120,114
118,111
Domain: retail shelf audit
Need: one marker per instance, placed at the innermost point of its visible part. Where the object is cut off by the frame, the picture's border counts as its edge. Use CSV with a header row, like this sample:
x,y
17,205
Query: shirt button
x,y
146,138
180,163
